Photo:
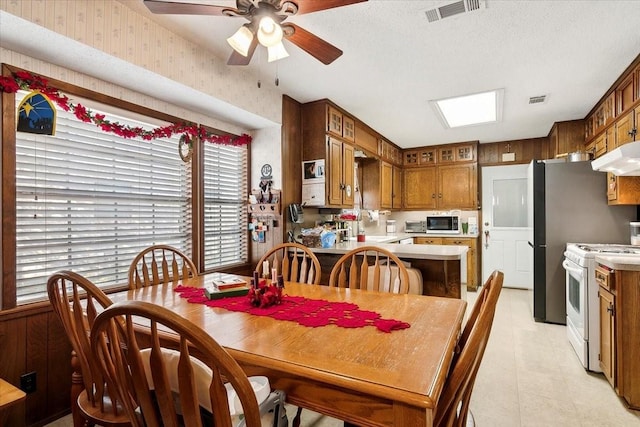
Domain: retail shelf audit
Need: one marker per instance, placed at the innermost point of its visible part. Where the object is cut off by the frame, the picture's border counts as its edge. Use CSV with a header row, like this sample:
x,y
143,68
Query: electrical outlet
x,y
28,382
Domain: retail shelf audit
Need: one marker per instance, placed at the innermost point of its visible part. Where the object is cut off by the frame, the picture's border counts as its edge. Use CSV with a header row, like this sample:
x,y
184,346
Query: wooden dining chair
x,y
452,409
296,263
77,302
372,268
160,264
169,392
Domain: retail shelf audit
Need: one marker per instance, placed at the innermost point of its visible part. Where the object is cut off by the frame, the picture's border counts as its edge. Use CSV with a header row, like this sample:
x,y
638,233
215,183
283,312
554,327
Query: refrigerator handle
x,y
534,246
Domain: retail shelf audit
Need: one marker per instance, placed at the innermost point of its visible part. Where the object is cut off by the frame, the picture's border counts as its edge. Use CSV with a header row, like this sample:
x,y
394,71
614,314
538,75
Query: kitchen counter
x,y
443,267
394,238
628,263
435,252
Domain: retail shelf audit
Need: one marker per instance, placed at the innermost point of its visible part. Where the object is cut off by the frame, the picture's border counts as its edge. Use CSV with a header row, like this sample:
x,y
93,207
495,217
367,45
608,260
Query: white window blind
x,y
225,211
89,201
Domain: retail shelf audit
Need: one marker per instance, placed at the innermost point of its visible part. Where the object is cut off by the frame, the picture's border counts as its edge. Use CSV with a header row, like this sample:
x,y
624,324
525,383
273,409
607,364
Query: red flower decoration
x,y
25,80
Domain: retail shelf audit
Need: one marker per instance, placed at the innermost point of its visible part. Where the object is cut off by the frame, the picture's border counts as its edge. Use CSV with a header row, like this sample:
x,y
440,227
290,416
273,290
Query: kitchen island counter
x,y
434,252
443,267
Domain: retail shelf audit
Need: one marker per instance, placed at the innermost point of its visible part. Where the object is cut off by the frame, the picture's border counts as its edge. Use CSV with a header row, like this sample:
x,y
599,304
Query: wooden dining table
x,y
360,375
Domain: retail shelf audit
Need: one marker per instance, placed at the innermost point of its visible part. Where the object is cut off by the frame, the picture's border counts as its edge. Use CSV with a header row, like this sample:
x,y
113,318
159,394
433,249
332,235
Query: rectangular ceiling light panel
x,y
469,110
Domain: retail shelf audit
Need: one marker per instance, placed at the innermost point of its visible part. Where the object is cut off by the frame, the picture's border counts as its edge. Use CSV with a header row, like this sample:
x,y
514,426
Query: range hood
x,y
623,161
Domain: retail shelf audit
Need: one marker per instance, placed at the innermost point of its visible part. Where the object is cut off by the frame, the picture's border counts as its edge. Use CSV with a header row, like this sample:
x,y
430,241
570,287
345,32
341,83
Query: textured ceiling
x,y
395,61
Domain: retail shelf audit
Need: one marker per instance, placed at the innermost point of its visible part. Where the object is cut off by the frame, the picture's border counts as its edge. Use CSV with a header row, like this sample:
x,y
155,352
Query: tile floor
x,y
529,376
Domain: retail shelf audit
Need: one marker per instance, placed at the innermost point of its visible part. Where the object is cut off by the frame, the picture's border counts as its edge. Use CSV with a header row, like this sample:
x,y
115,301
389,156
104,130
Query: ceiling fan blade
x,y
174,8
309,6
238,59
323,51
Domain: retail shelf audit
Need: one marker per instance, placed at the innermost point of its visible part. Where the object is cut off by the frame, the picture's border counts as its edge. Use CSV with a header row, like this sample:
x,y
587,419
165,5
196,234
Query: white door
x,y
505,228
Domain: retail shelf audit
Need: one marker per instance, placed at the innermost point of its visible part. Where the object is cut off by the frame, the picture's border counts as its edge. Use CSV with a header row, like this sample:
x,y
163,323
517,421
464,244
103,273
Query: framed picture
x,y
313,170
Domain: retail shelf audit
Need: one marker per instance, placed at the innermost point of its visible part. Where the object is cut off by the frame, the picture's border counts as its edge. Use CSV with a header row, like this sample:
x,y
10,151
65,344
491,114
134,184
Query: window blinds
x,y
225,212
89,201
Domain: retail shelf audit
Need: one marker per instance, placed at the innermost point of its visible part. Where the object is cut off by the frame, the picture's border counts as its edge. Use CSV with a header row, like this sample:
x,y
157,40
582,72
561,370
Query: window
x,y
89,201
225,211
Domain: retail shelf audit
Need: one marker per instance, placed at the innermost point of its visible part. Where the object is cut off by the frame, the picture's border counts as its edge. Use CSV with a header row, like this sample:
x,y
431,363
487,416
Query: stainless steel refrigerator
x,y
569,205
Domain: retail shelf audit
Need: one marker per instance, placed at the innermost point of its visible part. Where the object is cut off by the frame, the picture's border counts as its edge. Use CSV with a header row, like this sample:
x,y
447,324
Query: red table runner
x,y
304,311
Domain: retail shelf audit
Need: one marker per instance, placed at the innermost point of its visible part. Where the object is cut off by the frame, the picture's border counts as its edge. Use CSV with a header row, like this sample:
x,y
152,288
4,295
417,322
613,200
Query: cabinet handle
x,y
610,309
433,196
440,195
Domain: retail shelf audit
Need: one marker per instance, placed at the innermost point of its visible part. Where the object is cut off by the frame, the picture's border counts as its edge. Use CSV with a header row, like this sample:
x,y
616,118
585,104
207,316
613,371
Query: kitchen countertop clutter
x,y
434,252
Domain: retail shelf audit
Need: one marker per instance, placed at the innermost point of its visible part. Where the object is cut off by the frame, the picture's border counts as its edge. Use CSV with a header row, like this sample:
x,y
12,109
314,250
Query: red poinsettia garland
x,y
24,80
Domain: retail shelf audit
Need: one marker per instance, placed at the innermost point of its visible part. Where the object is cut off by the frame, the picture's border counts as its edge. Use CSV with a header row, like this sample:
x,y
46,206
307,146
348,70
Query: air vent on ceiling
x,y
537,99
454,8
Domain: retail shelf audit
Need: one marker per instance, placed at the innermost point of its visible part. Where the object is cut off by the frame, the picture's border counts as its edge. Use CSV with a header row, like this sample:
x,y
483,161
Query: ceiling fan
x,y
265,26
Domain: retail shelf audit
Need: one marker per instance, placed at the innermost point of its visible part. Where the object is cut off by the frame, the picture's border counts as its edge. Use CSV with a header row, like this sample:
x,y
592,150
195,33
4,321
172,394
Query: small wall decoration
x,y
266,180
185,148
36,114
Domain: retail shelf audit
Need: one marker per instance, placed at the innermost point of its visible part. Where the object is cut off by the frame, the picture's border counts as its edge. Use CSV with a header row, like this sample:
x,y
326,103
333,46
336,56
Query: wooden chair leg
x,y
77,386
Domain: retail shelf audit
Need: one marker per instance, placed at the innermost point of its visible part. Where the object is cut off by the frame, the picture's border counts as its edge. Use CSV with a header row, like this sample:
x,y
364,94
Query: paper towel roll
x,y
374,216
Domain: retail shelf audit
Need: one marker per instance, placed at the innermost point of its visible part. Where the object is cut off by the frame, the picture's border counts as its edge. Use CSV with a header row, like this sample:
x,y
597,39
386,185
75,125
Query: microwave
x,y
442,224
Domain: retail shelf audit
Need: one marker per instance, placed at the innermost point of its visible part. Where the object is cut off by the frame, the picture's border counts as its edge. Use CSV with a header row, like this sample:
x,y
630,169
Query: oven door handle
x,y
571,269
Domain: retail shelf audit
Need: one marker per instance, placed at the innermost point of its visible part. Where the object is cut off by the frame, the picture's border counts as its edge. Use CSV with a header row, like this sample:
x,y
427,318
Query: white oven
x,y
577,310
583,310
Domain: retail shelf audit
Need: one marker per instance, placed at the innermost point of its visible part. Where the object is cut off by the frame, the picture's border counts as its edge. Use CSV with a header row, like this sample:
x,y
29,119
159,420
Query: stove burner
x,y
610,249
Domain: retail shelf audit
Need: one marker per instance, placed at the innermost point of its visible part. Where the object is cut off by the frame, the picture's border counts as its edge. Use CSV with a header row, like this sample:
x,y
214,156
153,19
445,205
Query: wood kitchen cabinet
x,y
607,354
441,187
619,297
441,177
600,145
623,190
339,124
327,134
380,186
420,157
458,186
339,174
472,254
396,188
457,153
366,139
627,127
389,152
566,137
419,189
427,240
472,258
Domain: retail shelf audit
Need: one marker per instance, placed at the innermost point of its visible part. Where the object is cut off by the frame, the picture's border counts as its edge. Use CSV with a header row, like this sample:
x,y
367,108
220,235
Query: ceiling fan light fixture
x,y
241,40
269,32
277,52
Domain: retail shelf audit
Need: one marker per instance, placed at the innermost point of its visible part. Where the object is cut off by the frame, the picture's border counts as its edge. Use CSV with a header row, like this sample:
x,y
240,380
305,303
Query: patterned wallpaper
x,y
114,28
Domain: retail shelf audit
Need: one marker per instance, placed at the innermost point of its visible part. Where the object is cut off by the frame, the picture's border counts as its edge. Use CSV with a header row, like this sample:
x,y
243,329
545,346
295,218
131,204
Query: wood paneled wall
x,y
525,150
33,340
